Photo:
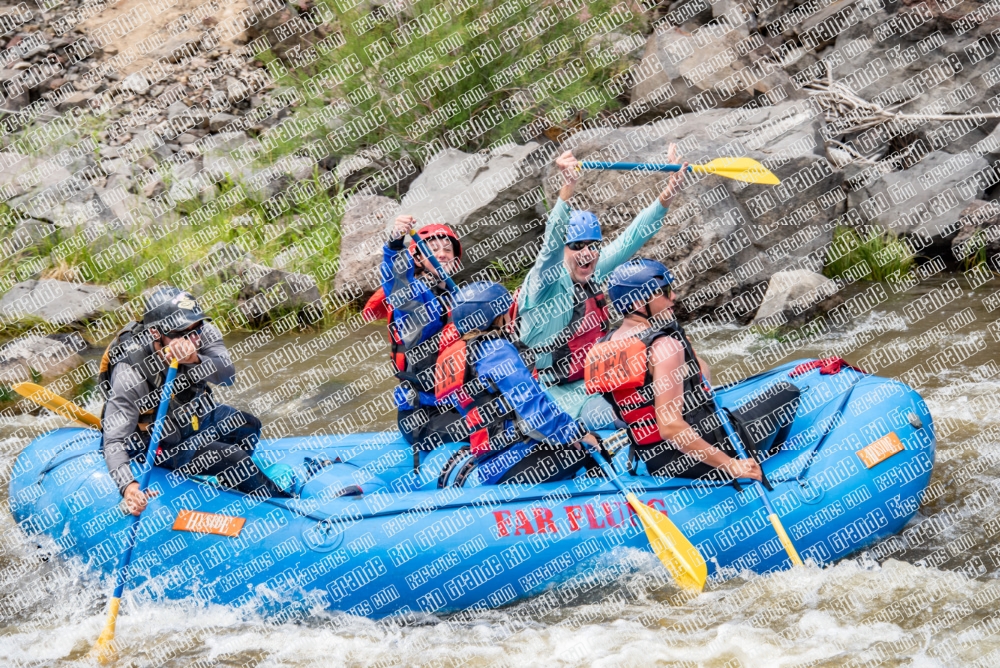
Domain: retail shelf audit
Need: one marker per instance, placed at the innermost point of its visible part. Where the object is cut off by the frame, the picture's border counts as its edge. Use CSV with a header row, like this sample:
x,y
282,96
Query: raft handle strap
x,y
748,443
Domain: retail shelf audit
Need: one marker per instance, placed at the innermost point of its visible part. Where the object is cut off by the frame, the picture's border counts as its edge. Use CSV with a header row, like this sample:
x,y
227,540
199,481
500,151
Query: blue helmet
x,y
636,281
477,305
583,226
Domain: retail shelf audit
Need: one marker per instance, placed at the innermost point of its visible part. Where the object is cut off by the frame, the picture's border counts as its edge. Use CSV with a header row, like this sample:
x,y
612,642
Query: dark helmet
x,y
435,230
479,304
583,226
170,310
636,281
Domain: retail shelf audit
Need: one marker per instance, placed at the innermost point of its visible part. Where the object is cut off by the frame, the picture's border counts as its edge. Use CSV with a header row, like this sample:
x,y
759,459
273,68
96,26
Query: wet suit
x,y
200,437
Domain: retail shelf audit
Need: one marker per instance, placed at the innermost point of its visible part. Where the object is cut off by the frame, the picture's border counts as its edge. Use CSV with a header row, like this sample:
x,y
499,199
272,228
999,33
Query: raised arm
x,y
546,268
416,312
643,227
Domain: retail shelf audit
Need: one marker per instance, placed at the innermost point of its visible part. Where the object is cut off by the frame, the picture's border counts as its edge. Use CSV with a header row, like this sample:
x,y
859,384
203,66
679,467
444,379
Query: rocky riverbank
x,y
249,152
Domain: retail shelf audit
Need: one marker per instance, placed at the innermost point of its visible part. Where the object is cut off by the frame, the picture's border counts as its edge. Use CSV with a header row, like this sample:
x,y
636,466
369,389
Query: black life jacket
x,y
587,324
191,395
484,409
620,371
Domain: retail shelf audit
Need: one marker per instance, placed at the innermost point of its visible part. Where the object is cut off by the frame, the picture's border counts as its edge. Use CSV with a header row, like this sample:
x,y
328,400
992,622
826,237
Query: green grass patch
x,y
510,278
876,256
463,74
303,240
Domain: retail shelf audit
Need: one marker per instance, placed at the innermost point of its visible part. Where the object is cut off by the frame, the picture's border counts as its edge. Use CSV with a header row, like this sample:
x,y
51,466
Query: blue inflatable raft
x,y
371,537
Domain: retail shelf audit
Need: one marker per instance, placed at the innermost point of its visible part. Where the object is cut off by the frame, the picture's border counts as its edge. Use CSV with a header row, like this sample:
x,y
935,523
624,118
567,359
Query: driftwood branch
x,y
851,113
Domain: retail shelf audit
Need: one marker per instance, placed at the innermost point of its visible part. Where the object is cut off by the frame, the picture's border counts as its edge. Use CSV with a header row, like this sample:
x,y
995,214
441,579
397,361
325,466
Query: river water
x,y
899,604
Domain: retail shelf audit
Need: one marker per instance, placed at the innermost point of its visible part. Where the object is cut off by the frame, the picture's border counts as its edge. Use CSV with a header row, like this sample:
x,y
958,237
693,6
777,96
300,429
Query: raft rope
x,y
827,366
811,457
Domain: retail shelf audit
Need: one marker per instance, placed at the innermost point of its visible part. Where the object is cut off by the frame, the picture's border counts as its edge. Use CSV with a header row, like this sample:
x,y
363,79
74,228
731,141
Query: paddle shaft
x,y
741,450
606,467
154,442
632,166
779,528
426,252
133,528
53,402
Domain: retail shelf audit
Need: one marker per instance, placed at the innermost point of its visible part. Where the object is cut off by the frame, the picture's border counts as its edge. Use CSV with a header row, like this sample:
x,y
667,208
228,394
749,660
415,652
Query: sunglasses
x,y
580,245
194,331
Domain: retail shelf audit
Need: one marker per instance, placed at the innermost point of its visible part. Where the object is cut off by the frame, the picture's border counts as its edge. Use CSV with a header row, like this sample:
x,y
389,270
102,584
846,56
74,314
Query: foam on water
x,y
879,608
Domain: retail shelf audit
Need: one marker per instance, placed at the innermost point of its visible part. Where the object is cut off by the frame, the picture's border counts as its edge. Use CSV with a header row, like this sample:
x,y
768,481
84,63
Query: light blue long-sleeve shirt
x,y
545,300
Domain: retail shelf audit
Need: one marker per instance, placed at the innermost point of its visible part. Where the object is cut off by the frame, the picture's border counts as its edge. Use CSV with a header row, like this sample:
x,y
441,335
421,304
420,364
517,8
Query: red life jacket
x,y
587,324
620,371
482,407
376,308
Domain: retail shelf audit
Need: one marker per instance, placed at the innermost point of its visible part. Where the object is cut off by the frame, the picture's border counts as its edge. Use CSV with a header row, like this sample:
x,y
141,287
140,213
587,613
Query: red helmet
x,y
439,230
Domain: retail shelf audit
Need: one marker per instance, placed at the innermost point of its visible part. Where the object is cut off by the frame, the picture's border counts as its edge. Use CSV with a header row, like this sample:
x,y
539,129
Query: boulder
x,y
362,234
269,293
33,358
796,297
704,70
29,230
266,292
135,83
263,184
722,238
14,176
979,233
219,121
57,302
491,199
288,27
935,69
218,157
924,201
66,202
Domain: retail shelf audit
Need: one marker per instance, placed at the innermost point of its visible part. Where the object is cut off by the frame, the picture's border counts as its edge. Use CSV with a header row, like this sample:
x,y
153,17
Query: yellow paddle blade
x,y
48,399
104,650
747,170
672,547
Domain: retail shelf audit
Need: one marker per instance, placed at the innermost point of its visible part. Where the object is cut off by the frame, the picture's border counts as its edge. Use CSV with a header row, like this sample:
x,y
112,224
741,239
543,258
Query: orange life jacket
x,y
481,405
451,376
415,371
620,371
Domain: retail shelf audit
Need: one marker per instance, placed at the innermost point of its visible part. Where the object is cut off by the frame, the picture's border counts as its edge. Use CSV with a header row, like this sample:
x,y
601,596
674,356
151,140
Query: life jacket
x,y
587,324
483,408
132,345
620,371
417,366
